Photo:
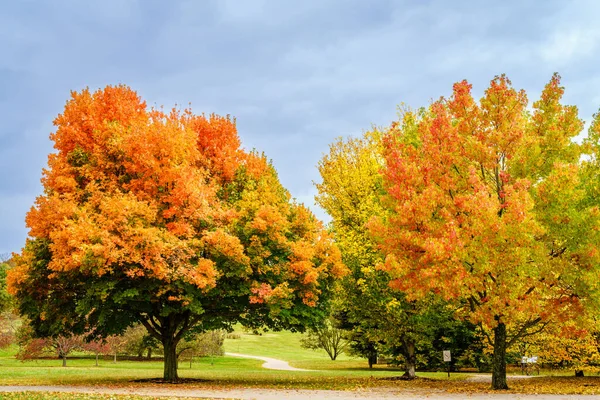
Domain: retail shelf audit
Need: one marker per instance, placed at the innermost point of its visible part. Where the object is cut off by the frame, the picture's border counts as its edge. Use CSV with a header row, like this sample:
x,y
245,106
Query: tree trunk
x,y
372,360
149,354
170,371
64,359
169,331
411,359
499,358
96,359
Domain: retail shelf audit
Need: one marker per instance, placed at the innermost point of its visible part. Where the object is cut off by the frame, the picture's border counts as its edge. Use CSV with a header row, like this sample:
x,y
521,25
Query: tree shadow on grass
x,y
179,381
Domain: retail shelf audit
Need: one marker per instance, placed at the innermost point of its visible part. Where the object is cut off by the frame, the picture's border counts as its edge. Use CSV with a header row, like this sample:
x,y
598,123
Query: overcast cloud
x,y
295,74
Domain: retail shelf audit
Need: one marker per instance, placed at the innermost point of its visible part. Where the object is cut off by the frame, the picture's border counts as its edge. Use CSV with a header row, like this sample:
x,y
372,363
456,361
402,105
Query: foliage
x,y
558,350
206,344
463,339
96,348
160,218
486,205
327,337
137,341
31,347
5,297
380,320
9,323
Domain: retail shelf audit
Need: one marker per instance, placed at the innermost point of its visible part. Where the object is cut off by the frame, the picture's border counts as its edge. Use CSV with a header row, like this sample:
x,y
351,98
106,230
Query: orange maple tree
x,y
486,205
161,218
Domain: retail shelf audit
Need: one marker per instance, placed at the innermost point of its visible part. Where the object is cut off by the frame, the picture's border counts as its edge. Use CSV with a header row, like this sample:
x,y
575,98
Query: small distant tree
x,y
97,347
138,341
207,344
64,345
327,337
9,323
116,344
360,345
31,347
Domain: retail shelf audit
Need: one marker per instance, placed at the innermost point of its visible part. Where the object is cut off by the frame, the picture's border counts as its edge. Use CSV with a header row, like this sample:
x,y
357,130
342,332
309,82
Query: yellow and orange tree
x,y
380,320
487,202
161,218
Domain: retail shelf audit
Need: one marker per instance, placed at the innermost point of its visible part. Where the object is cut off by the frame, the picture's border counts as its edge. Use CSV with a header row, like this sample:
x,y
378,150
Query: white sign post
x,y
447,358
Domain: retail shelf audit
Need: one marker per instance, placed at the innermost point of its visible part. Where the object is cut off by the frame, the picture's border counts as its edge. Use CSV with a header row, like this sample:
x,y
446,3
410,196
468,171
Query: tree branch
x,y
523,331
184,349
187,325
151,330
486,335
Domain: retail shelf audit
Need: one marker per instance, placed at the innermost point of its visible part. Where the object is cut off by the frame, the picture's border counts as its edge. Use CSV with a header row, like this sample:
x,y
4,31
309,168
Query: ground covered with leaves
x,y
75,396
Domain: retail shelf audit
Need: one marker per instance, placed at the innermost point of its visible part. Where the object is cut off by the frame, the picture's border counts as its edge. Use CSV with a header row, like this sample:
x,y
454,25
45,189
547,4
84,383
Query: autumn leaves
x,y
485,204
160,217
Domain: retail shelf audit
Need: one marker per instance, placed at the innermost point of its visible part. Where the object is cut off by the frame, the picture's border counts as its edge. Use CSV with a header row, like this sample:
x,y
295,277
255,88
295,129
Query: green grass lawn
x,y
346,373
224,371
286,346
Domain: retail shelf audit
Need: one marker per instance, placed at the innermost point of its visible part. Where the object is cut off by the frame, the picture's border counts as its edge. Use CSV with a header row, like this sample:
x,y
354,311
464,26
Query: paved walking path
x,y
277,394
488,377
270,363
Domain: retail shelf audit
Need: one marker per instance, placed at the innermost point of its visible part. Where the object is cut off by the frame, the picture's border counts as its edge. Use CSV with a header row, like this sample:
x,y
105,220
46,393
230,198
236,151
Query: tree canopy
x,y
380,319
487,204
160,217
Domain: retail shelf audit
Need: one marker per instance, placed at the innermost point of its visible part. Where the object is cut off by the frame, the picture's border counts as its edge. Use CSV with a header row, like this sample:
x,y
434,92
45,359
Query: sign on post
x,y
447,359
447,356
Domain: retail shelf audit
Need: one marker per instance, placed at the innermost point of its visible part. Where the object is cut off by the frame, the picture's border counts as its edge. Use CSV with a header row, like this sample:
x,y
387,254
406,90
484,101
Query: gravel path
x,y
276,394
270,363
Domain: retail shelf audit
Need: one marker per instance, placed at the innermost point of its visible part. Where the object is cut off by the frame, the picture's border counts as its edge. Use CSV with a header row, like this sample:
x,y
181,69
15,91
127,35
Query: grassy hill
x,y
285,346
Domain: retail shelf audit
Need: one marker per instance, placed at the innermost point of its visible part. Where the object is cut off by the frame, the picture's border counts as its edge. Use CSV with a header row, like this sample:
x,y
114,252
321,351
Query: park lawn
x,y
223,372
345,374
285,346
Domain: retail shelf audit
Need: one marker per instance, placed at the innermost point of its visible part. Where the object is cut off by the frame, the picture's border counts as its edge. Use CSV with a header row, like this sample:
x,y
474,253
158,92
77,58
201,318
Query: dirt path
x,y
276,394
270,363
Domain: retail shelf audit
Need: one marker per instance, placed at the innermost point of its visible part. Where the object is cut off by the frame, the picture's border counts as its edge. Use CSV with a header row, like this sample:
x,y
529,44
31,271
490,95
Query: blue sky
x,y
295,74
